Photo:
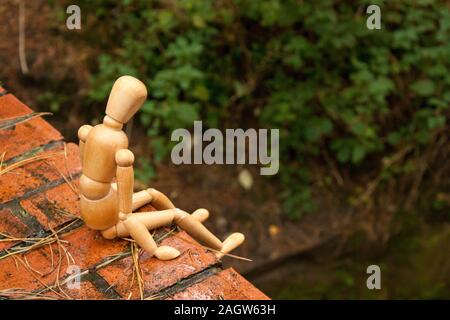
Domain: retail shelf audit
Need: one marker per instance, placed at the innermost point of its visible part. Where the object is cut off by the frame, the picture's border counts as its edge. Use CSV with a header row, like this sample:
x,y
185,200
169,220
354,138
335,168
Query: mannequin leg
x,y
140,199
138,224
156,198
159,200
144,239
151,220
199,232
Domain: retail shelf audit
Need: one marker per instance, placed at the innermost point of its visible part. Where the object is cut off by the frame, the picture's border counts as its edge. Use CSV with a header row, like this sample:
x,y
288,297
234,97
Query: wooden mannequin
x,y
108,206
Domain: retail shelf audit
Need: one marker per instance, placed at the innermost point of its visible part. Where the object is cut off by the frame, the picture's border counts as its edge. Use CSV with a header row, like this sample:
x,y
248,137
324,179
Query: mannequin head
x,y
126,97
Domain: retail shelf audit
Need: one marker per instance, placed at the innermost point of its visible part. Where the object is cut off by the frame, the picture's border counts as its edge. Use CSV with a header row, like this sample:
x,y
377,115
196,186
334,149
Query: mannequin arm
x,y
125,181
82,135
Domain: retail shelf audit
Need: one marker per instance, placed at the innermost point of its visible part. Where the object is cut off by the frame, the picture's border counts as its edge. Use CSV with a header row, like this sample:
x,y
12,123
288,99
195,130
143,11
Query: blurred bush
x,y
310,68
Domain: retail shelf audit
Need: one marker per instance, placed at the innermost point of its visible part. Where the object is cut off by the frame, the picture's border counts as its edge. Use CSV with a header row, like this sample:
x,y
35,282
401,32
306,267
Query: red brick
x,y
226,285
158,274
12,226
11,107
14,275
21,180
86,246
55,206
87,291
26,135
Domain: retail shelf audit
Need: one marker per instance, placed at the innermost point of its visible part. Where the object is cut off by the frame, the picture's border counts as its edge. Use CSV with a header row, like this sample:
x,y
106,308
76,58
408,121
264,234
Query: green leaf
x,y
200,92
186,113
317,127
343,154
358,154
423,87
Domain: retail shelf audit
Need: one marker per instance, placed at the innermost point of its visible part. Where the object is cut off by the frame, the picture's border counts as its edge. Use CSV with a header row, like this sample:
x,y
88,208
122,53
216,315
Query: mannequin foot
x,y
200,215
231,243
166,253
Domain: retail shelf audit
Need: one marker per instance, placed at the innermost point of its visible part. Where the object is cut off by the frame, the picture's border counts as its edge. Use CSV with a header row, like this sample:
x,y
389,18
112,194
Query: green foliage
x,y
310,68
144,170
52,100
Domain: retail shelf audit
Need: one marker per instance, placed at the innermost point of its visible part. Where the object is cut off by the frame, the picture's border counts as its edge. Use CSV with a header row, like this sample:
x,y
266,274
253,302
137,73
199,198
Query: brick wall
x,y
41,234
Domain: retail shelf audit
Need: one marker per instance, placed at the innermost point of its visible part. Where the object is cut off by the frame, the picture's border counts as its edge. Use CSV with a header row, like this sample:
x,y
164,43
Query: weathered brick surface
x,y
17,273
85,248
55,206
12,226
41,196
34,175
159,274
88,247
86,291
11,107
226,285
25,136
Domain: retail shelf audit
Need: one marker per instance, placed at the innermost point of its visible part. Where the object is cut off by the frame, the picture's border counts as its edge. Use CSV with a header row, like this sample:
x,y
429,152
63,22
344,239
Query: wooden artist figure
x,y
108,200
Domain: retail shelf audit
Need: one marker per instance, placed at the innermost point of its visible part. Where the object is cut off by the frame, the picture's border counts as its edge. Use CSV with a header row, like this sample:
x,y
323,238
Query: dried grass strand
x,y
26,161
